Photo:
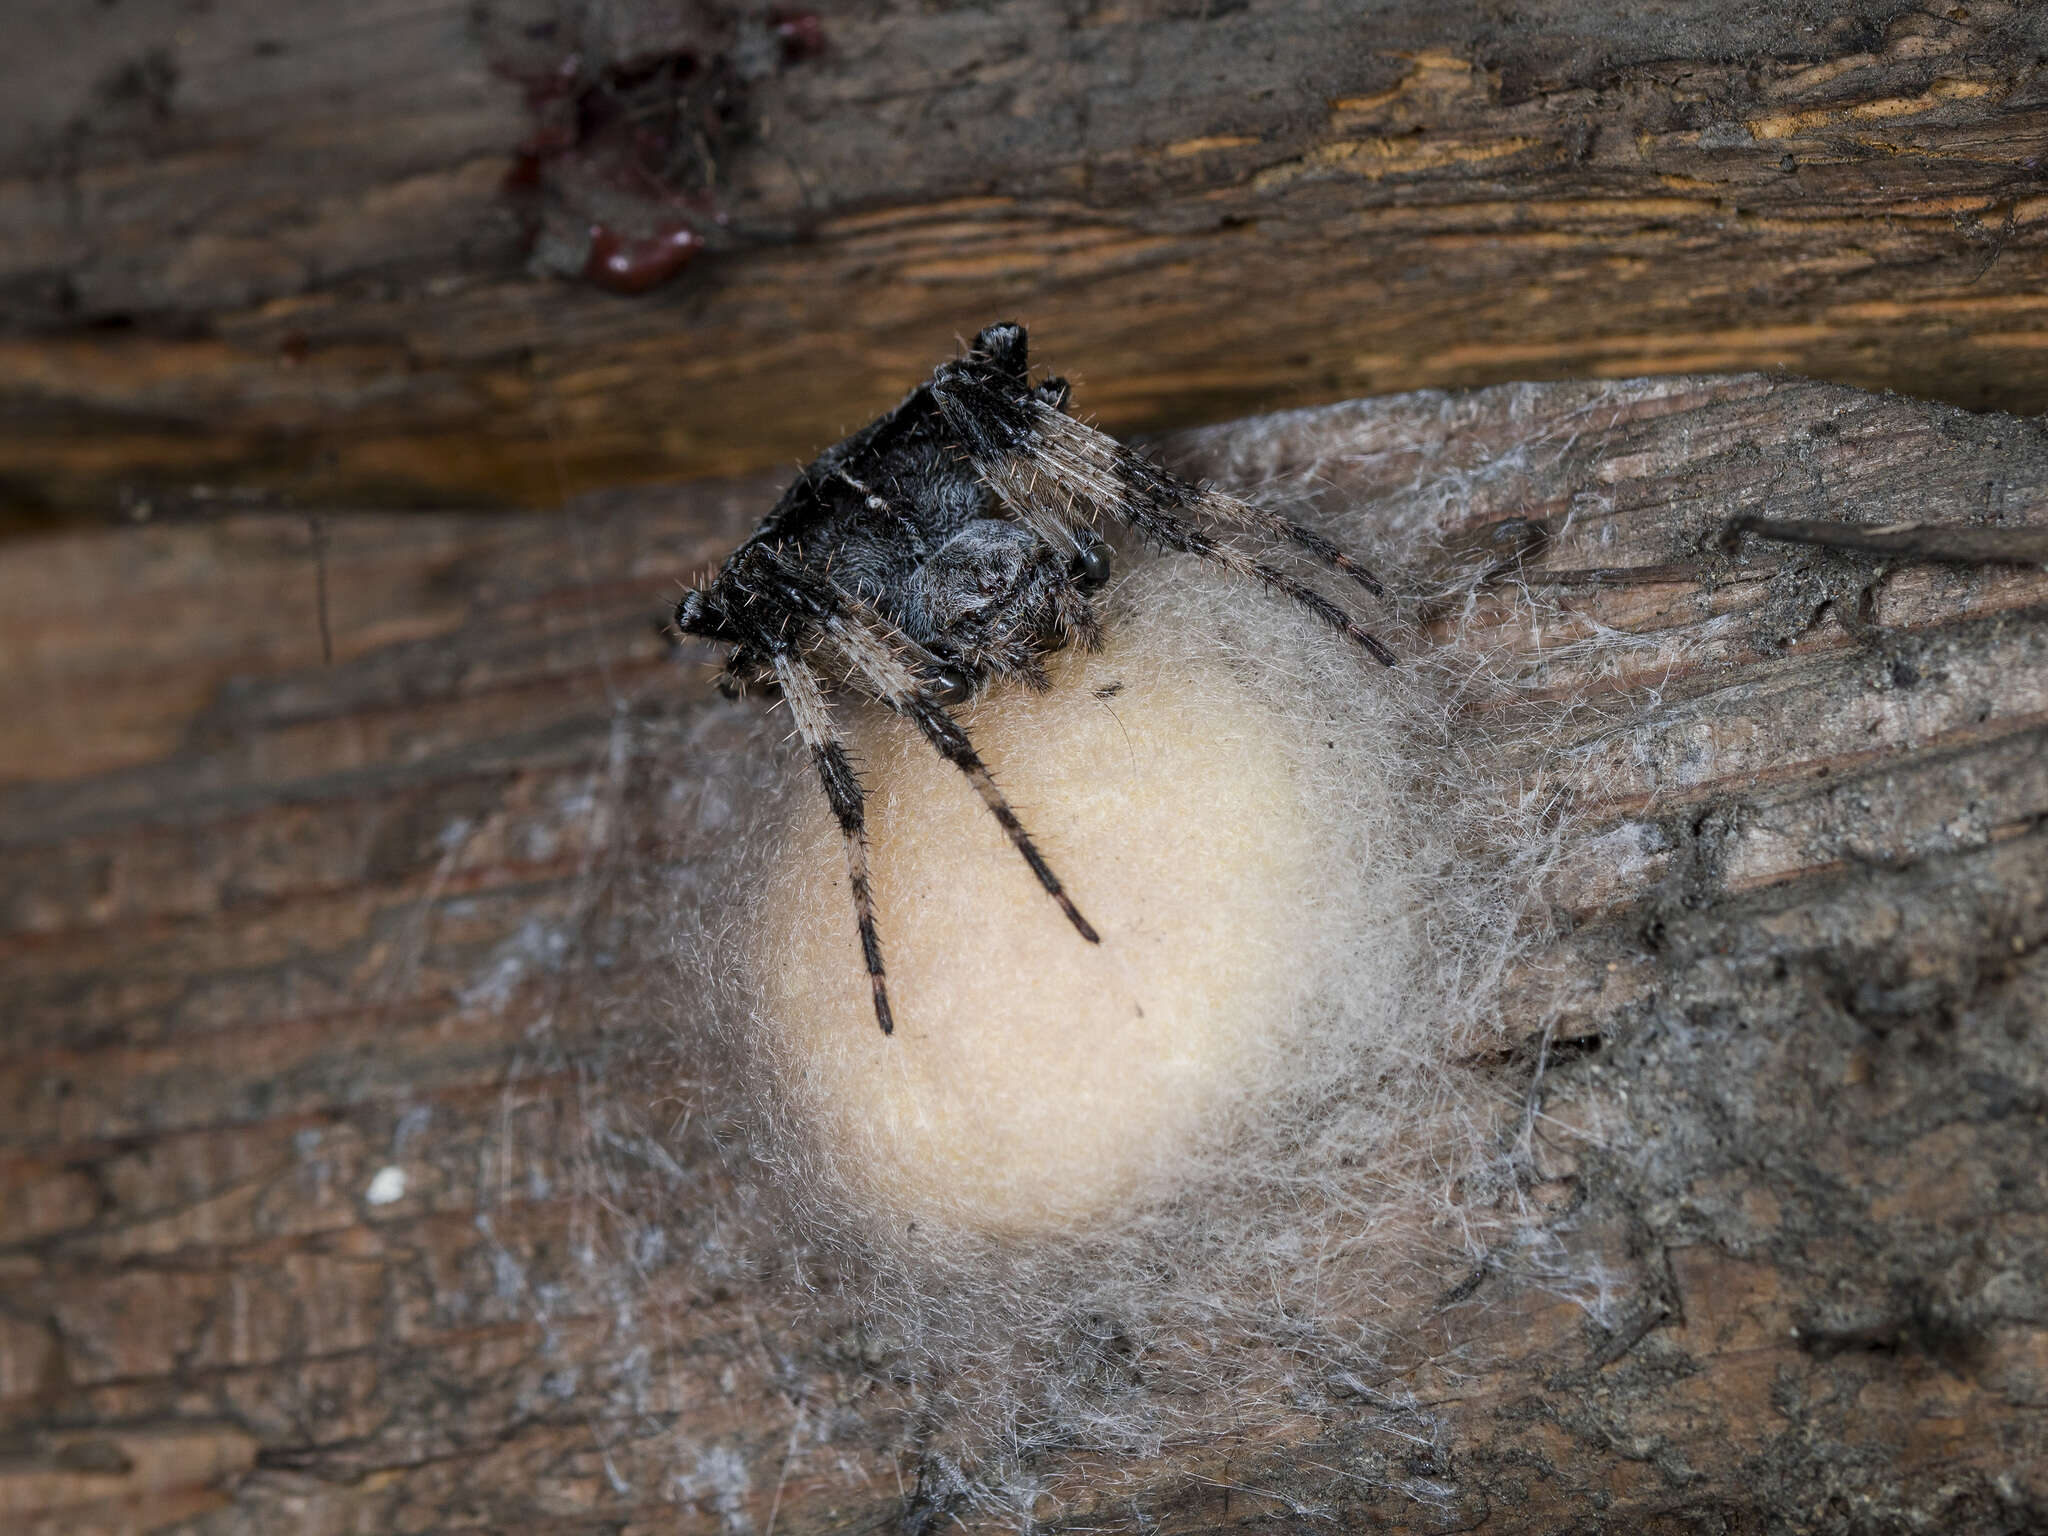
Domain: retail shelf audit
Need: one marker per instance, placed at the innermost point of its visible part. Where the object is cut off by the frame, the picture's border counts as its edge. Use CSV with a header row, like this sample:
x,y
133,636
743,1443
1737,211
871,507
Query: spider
x,y
953,541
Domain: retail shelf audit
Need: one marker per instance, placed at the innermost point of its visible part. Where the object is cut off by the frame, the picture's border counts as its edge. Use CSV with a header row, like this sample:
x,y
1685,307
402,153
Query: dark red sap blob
x,y
649,130
635,265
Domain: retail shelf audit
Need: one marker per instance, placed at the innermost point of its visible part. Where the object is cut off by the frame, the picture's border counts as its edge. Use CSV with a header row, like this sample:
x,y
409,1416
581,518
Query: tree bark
x,y
284,1181
273,250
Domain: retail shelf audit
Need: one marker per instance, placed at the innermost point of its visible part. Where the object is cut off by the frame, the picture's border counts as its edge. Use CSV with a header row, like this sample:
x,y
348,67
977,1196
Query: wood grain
x,y
270,247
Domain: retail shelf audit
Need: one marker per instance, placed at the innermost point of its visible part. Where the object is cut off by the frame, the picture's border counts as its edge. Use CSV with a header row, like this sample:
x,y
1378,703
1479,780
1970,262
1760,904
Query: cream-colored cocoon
x,y
1213,787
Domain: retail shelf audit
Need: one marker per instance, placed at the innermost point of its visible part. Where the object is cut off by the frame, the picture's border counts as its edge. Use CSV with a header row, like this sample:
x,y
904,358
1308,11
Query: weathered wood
x,y
272,246
272,926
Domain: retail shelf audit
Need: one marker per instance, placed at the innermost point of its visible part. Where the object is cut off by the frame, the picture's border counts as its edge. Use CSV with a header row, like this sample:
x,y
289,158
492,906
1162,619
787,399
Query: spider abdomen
x,y
990,598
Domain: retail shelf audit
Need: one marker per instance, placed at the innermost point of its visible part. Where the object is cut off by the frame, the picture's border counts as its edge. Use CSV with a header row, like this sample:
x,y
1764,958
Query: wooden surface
x,y
273,246
273,928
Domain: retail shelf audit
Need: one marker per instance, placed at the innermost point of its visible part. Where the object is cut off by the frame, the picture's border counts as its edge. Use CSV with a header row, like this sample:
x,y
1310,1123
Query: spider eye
x,y
1090,565
949,685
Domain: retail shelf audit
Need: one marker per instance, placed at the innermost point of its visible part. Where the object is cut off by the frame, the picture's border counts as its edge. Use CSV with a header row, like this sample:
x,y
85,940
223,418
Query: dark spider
x,y
947,543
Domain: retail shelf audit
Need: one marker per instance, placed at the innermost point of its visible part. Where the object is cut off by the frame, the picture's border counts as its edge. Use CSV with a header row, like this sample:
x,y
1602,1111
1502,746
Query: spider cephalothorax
x,y
950,542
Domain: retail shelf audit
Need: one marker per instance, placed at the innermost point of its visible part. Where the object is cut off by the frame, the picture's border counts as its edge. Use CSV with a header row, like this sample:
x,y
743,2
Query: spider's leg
x,y
1077,619
1050,505
1138,492
742,671
1178,534
807,707
862,642
1048,468
1155,516
1109,462
1229,511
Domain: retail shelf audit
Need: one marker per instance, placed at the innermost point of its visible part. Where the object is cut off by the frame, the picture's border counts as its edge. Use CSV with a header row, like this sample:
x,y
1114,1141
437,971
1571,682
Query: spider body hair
x,y
952,541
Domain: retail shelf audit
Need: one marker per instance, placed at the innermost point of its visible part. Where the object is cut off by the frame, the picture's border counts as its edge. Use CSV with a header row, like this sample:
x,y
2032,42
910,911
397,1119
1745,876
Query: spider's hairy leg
x,y
863,646
1077,620
1165,526
1233,513
813,718
1156,503
1045,465
1194,542
742,673
1178,534
994,426
1056,475
1106,462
